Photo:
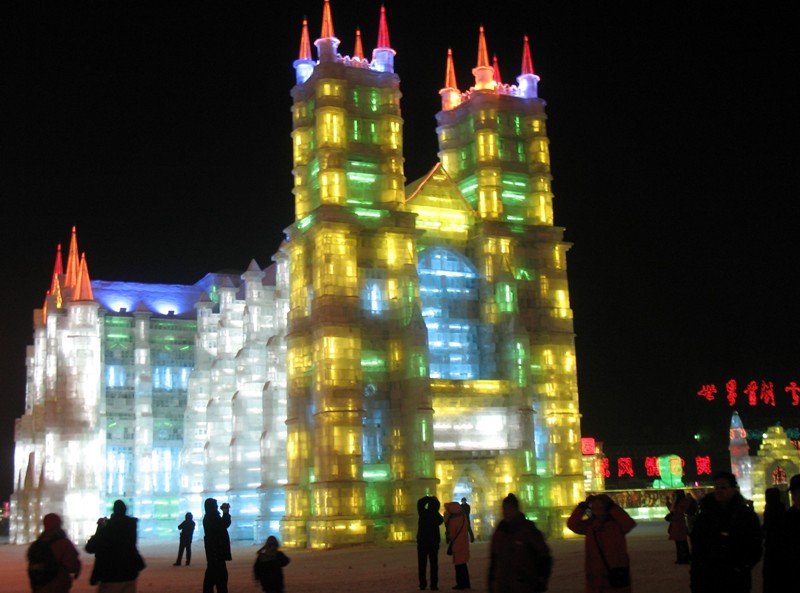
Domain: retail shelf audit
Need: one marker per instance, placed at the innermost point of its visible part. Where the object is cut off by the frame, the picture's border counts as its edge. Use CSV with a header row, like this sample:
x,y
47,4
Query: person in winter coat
x,y
187,533
64,553
726,540
605,525
457,535
268,568
428,540
117,561
679,526
218,546
519,558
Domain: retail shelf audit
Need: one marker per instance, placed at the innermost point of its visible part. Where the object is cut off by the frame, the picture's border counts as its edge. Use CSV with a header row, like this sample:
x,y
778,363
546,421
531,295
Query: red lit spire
x,y
58,269
327,21
72,261
483,72
451,96
450,72
383,31
496,69
305,43
83,287
527,62
483,53
358,52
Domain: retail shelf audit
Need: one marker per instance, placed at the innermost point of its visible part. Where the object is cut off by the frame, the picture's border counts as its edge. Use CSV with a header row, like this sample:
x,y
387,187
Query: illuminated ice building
x,y
407,340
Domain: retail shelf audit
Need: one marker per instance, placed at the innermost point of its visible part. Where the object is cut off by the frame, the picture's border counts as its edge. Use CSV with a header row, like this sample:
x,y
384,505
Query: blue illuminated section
x,y
163,299
448,285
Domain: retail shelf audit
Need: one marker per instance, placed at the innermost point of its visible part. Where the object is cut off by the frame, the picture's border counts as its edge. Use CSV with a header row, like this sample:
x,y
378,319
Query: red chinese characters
x,y
624,467
707,391
703,464
651,467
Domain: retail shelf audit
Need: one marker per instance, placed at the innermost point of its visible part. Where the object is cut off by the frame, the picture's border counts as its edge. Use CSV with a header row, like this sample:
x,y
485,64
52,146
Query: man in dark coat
x,y
726,540
519,558
117,562
428,540
187,532
218,546
67,565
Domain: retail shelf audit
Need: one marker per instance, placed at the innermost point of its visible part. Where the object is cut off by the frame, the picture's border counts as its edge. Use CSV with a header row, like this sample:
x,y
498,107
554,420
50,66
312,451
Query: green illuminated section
x,y
506,296
370,213
372,361
377,472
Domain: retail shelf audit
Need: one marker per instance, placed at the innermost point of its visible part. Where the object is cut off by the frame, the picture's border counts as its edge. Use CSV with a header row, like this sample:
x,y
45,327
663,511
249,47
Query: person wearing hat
x,y
217,544
117,561
66,566
726,540
519,558
605,525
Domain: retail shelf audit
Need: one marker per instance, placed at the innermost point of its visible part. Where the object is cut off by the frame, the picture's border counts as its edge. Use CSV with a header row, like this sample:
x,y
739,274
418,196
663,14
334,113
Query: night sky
x,y
162,133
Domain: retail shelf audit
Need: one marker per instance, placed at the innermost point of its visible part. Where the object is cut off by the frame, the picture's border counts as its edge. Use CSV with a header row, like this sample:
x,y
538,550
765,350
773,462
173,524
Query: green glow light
x,y
367,213
515,218
362,177
513,195
305,222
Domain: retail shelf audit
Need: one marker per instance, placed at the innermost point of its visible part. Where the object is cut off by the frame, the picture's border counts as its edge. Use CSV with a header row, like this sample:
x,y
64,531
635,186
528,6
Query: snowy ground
x,y
385,568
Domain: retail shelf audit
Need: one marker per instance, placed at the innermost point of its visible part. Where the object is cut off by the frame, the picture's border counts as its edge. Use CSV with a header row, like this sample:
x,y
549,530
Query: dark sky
x,y
162,132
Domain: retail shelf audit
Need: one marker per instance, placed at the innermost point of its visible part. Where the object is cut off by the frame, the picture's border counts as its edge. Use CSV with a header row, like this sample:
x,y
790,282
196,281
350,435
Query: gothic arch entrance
x,y
473,485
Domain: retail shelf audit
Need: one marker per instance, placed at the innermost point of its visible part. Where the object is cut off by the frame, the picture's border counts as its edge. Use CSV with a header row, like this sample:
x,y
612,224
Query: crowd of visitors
x,y
720,537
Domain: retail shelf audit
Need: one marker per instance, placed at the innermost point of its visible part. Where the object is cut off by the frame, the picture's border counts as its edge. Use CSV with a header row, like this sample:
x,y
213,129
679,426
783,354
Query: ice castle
x,y
406,340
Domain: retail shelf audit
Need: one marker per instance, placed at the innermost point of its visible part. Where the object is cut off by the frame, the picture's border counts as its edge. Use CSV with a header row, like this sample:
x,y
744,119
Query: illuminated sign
x,y
755,393
588,446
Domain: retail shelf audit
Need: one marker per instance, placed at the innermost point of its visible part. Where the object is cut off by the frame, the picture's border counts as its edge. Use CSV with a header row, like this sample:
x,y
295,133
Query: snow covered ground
x,y
384,568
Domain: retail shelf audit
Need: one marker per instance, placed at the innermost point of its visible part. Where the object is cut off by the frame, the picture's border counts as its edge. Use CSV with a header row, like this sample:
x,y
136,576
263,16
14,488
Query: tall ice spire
x,y
72,261
83,287
358,52
496,70
304,64
383,54
527,82
327,44
483,72
451,96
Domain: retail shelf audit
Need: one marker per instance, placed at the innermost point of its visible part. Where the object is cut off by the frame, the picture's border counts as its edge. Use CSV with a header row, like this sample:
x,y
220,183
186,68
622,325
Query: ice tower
x,y
360,440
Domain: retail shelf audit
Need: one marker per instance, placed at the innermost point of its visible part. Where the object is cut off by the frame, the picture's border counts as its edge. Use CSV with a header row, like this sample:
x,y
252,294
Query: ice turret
x,y
528,81
304,64
741,462
483,71
383,54
327,44
451,96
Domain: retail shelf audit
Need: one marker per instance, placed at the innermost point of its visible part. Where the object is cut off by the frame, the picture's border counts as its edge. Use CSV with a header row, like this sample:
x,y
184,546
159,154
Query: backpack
x,y
42,564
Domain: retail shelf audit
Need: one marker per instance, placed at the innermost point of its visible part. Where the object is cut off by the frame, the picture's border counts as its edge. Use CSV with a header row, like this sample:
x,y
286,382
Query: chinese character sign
x,y
765,393
703,464
651,467
588,446
624,467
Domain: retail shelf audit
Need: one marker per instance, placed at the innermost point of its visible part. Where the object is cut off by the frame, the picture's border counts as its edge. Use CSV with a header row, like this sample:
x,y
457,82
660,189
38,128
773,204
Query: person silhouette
x,y
187,532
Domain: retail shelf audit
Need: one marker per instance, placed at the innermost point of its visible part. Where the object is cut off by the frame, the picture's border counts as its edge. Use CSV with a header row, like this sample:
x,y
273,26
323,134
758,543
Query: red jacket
x,y
67,556
610,533
457,531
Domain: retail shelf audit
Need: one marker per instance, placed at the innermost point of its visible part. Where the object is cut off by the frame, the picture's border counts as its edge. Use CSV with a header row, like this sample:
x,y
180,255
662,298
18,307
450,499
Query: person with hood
x,y
187,533
268,568
726,540
428,540
117,561
605,526
217,544
519,558
457,534
679,525
53,561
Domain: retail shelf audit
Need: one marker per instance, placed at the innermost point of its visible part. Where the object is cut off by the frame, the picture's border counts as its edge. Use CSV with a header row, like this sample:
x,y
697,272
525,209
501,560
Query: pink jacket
x,y
457,531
